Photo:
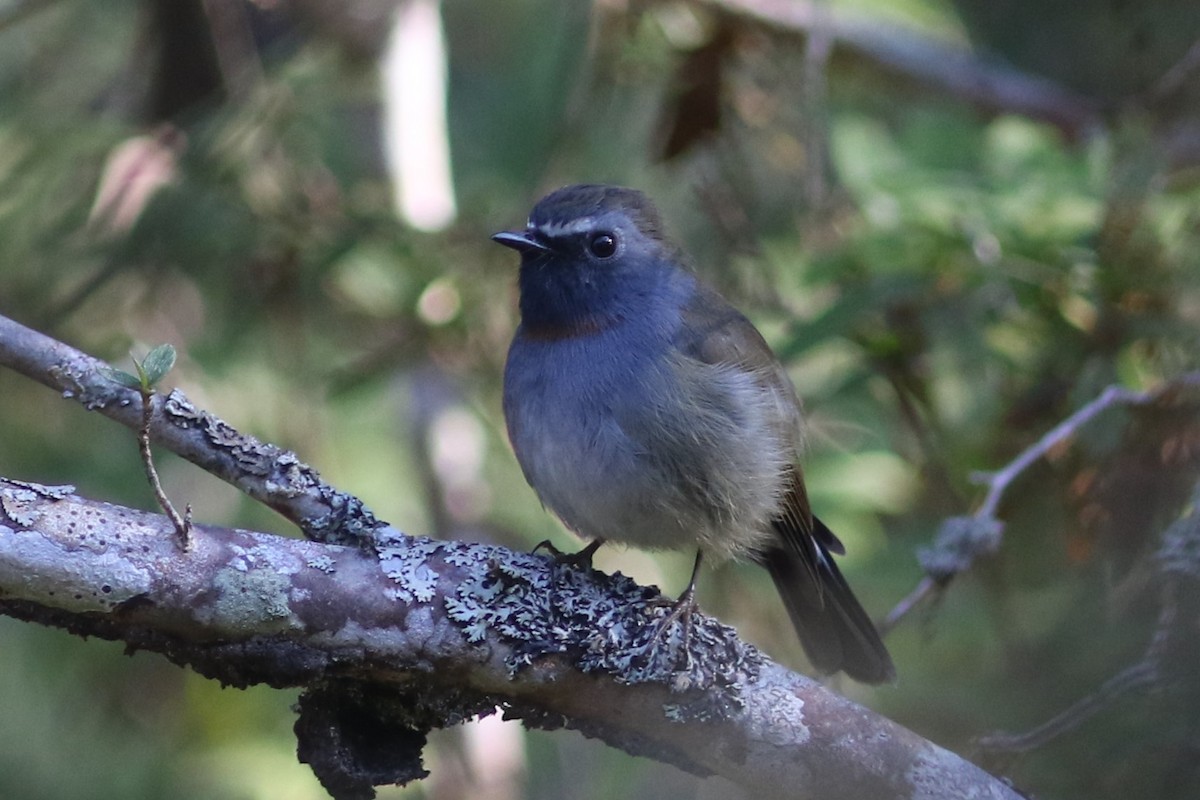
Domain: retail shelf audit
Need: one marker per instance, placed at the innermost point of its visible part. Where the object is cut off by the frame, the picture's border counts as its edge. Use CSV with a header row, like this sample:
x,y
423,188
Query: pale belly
x,y
628,453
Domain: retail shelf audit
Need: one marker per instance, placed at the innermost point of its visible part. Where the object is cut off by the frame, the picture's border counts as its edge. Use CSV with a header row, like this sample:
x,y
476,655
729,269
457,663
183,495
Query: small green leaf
x,y
157,364
143,384
122,377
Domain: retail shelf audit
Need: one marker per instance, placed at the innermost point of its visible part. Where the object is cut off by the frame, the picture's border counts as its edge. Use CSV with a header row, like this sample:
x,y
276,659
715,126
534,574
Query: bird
x,y
644,409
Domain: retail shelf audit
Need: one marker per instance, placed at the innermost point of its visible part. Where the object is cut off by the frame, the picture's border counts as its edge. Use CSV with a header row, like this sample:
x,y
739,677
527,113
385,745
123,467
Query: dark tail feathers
x,y
836,632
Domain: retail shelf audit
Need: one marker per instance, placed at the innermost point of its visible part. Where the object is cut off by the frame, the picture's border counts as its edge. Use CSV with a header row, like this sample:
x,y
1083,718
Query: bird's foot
x,y
681,612
579,560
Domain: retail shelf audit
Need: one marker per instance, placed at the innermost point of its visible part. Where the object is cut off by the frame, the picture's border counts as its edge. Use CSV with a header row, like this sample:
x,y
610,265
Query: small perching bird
x,y
645,409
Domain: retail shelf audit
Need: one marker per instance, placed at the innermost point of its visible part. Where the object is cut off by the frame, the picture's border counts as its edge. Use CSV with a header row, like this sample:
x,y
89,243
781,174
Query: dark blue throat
x,y
560,299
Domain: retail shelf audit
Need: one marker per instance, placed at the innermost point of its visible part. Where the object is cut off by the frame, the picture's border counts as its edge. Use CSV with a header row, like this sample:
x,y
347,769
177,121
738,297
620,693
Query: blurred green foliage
x,y
944,287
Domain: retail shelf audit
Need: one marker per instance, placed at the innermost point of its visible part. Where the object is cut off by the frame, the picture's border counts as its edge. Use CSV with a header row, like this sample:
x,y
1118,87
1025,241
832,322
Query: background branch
x,y
963,539
1168,662
947,68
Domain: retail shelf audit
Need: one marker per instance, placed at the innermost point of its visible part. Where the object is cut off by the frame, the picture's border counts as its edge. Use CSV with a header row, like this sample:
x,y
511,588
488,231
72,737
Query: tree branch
x,y
408,634
460,628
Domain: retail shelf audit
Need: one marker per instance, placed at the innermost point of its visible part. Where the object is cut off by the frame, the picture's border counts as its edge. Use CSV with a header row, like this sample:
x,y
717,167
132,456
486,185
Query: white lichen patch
x,y
258,556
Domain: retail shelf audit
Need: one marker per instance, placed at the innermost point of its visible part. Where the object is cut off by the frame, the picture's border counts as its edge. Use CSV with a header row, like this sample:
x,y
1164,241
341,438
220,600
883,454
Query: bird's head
x,y
592,252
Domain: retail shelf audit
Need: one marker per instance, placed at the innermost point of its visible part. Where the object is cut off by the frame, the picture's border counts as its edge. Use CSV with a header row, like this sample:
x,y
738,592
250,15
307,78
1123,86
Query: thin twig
x,y
1180,76
1138,677
1151,670
962,539
999,481
183,524
925,587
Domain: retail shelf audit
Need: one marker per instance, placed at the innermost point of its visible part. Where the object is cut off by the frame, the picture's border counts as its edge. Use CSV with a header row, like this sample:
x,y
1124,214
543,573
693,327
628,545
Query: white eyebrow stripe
x,y
553,229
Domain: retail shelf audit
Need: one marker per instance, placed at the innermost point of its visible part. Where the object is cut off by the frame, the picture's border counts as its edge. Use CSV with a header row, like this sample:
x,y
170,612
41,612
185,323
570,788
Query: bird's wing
x,y
714,332
835,630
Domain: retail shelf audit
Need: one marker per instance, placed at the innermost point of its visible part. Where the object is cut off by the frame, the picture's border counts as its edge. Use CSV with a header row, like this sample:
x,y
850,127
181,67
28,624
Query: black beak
x,y
521,241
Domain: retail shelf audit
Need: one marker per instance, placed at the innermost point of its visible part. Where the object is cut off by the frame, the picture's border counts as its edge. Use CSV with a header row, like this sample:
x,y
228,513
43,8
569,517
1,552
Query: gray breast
x,y
660,453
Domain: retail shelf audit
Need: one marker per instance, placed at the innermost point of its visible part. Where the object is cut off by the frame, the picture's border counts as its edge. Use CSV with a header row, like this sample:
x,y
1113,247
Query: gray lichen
x,y
348,523
542,606
609,624
959,541
405,559
343,518
81,381
20,500
321,561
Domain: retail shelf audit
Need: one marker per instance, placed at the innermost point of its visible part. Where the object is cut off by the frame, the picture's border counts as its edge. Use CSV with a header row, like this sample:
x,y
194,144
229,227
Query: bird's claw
x,y
681,611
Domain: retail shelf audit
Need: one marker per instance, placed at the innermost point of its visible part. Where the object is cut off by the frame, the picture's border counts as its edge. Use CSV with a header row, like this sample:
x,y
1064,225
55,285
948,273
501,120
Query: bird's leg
x,y
683,607
580,560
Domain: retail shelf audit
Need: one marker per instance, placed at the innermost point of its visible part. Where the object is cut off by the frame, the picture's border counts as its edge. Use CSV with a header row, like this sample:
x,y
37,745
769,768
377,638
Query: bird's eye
x,y
603,245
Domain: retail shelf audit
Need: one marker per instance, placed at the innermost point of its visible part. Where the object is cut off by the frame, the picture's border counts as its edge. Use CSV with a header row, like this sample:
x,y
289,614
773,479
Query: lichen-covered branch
x,y
405,634
429,633
267,473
